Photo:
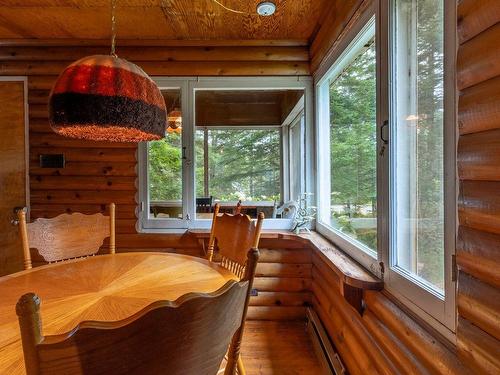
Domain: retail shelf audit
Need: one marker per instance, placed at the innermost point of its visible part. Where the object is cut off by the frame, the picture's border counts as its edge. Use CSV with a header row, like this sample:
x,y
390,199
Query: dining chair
x,y
233,235
204,204
190,335
66,236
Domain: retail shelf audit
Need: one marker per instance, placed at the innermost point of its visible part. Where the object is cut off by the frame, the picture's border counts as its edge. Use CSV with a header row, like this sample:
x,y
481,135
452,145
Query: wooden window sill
x,y
349,271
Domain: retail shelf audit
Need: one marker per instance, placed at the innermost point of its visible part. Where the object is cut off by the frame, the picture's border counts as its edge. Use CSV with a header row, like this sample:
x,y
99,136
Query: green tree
x,y
353,145
165,168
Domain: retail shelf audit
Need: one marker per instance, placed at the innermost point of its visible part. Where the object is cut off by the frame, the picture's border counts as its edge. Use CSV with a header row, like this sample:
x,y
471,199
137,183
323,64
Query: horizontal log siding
x,y
97,173
478,245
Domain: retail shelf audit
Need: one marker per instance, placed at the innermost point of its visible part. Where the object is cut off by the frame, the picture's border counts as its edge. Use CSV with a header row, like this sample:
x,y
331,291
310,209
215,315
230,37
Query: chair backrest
x,y
234,235
204,204
66,236
188,336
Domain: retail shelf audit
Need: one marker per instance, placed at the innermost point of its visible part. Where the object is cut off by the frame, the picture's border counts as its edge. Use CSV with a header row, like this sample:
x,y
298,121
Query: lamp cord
x,y
229,9
113,28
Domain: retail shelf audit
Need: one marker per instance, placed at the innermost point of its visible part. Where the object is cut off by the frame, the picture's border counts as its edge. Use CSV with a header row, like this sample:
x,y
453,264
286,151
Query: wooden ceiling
x,y
244,107
159,19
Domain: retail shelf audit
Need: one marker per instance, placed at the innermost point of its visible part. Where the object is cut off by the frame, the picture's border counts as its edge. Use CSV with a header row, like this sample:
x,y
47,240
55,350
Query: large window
x,y
348,134
417,169
231,142
386,119
353,142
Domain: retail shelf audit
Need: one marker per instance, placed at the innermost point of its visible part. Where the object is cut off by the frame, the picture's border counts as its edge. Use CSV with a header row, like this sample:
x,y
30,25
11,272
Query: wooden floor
x,y
278,348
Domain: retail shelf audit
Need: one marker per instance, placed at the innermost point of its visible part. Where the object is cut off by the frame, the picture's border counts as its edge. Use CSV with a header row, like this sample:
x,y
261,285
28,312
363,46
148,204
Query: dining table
x,y
108,287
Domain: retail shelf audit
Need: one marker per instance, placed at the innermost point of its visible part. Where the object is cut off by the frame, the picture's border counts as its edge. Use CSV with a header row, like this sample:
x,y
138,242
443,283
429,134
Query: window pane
x,y
296,155
239,164
417,147
165,164
353,140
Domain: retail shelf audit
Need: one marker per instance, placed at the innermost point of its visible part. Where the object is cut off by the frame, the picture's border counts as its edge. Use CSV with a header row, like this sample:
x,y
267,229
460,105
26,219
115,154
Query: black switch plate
x,y
52,161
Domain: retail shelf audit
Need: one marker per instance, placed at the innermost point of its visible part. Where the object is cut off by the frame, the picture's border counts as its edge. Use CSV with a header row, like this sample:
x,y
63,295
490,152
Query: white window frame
x,y
356,37
189,86
438,313
294,120
422,300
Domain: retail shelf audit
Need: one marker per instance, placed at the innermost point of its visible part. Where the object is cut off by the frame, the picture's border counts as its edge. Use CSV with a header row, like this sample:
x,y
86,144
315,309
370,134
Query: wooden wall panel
x,y
97,173
478,245
389,341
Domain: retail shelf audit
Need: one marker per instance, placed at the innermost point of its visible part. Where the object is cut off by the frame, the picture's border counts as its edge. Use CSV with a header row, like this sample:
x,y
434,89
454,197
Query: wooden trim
x,y
61,42
174,68
348,271
141,53
332,34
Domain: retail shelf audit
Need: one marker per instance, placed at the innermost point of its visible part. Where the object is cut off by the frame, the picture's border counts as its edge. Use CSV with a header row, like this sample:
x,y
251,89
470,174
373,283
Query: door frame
x,y
24,79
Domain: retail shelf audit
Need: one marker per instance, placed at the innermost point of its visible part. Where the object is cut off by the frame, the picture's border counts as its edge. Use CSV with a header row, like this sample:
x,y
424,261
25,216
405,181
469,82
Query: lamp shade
x,y
105,98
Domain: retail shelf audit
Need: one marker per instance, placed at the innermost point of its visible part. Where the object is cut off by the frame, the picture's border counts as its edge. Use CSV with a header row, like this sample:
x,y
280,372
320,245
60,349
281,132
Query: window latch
x,y
184,157
382,138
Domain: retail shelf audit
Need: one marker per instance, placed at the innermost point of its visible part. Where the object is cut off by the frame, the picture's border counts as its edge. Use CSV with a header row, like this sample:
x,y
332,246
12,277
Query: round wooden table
x,y
105,287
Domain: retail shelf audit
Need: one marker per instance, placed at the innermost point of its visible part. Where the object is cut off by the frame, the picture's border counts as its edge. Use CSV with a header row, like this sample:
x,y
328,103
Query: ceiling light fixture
x,y
105,98
266,8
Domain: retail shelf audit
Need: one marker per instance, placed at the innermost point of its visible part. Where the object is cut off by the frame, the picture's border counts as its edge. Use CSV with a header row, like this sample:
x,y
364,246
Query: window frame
x,y
355,38
189,86
440,314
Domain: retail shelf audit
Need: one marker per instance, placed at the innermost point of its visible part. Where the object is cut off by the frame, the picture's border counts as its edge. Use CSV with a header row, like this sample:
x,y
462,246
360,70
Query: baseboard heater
x,y
325,351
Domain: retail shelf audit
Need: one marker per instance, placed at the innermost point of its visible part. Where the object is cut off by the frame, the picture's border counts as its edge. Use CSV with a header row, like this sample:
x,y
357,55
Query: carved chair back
x,y
66,236
234,235
188,336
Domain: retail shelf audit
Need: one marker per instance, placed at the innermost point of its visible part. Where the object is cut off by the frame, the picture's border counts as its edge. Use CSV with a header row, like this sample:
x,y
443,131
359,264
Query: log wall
x,y
97,173
383,339
478,246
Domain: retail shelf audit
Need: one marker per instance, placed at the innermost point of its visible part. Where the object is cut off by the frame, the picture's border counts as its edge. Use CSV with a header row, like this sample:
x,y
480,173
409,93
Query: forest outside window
x,y
348,134
421,158
386,118
238,164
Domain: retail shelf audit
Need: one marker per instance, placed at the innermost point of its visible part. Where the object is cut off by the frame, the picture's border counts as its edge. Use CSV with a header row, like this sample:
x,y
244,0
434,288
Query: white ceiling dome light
x,y
266,8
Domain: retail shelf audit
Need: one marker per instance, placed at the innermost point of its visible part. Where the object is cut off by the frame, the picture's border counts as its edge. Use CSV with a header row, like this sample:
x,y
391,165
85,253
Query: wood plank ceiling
x,y
159,19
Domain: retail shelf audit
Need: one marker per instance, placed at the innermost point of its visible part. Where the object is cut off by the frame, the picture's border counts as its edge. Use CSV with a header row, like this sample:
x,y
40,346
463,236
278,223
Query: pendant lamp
x,y
105,98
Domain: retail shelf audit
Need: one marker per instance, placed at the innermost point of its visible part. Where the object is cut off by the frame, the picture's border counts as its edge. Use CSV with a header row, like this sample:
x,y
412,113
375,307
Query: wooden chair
x,y
187,336
66,236
234,234
204,204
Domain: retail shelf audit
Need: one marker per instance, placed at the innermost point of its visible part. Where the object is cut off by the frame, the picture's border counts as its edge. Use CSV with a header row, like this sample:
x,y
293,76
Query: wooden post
x,y
28,312
211,241
23,229
112,247
258,228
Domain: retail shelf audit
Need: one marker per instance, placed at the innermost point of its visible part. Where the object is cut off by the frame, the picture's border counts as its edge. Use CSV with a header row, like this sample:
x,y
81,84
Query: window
x,y
421,232
228,142
239,164
417,169
348,135
296,156
386,112
165,165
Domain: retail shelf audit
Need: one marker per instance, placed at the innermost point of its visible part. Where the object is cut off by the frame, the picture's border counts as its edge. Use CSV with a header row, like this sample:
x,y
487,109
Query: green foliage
x,y
353,145
242,164
165,168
